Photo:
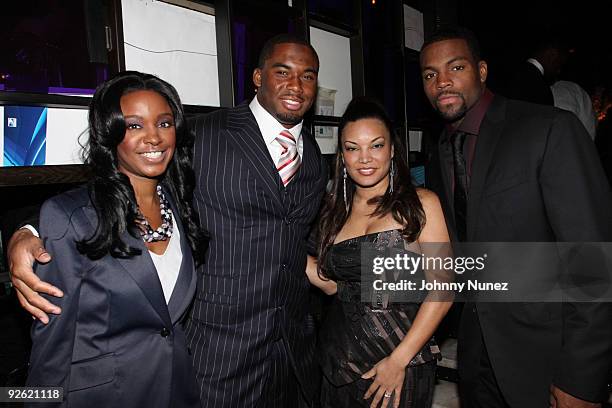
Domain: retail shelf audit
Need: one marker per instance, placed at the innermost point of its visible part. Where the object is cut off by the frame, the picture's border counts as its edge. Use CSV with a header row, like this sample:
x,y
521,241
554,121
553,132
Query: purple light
x,y
71,91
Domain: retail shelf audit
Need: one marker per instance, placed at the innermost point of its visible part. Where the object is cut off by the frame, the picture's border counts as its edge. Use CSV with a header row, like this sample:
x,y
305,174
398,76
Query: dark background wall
x,y
507,29
382,68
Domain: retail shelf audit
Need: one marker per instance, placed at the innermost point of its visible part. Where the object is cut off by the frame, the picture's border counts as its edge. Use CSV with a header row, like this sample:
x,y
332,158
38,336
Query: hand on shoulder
x,y
23,250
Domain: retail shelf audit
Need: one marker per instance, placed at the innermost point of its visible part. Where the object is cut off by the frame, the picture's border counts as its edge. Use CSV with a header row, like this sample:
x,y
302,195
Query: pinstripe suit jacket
x,y
252,290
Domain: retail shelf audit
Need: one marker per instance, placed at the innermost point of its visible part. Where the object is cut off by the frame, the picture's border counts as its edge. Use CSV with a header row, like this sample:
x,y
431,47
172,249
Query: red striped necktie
x,y
289,161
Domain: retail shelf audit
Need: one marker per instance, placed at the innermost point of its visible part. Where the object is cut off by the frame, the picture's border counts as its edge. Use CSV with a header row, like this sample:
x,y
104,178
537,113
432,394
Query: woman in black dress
x,y
378,353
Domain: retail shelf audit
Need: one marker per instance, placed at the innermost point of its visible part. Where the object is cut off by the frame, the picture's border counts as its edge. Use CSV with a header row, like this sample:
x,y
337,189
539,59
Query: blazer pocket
x,y
215,298
503,185
92,372
541,311
217,289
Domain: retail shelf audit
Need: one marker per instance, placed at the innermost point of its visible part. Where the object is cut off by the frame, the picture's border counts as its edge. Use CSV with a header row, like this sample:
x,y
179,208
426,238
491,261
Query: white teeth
x,y
152,155
290,102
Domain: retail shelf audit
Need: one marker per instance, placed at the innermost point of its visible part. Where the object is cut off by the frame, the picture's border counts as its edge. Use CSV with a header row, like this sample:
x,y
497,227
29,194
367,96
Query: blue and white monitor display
x,y
37,136
25,135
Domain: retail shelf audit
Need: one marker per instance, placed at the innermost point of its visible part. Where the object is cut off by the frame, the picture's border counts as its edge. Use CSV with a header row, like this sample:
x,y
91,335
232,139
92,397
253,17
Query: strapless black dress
x,y
354,335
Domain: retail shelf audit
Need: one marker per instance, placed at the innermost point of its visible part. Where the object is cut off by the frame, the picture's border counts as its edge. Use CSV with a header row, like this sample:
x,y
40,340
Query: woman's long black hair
x,y
110,190
403,202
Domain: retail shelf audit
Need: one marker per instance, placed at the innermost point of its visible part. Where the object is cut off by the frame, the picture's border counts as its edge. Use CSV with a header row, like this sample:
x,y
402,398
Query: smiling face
x,y
452,79
367,152
150,136
287,82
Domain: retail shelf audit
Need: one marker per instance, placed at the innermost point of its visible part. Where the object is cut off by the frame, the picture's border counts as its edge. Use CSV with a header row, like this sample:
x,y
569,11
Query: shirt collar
x,y
474,117
536,64
269,126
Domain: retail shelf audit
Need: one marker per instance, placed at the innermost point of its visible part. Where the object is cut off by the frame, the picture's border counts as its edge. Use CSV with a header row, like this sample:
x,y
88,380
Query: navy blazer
x,y
116,343
253,293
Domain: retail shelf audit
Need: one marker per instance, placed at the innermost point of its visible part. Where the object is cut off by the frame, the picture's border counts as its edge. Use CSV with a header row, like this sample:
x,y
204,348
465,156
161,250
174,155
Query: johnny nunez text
x,y
470,285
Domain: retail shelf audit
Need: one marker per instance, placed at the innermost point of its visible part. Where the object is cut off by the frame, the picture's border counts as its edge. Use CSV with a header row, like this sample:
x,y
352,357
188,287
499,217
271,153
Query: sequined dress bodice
x,y
356,335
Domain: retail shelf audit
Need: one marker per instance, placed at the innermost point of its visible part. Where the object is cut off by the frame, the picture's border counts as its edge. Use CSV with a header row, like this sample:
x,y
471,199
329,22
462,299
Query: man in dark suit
x,y
531,80
510,171
260,180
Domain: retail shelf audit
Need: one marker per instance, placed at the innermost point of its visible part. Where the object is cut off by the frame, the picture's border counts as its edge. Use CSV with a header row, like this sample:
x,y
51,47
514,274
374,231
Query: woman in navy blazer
x,y
124,249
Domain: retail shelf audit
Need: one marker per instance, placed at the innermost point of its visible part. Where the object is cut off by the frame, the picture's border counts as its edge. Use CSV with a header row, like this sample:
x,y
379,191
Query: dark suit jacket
x,y
116,342
252,291
529,85
535,178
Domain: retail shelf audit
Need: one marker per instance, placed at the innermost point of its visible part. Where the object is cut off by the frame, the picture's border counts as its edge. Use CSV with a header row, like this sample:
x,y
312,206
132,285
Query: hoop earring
x,y
346,203
391,174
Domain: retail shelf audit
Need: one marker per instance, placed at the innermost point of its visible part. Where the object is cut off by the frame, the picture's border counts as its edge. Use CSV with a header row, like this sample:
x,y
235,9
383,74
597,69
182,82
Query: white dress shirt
x,y
270,128
536,64
168,264
570,96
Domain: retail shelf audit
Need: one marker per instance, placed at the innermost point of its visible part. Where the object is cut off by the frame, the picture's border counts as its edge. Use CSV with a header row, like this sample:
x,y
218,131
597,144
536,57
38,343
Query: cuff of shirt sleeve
x,y
32,230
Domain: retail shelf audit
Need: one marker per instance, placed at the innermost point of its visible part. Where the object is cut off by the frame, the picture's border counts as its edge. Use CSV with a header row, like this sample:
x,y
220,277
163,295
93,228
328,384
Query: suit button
x,y
164,332
287,220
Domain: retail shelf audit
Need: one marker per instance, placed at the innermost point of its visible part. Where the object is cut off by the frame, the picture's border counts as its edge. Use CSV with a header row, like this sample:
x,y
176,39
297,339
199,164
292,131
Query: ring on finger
x,y
388,394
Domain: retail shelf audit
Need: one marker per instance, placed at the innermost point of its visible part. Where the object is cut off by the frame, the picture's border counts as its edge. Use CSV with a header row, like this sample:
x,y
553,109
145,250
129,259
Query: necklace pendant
x,y
164,231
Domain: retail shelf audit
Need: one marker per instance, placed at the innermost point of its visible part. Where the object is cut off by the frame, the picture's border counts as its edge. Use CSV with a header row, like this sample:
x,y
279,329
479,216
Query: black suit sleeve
x,y
579,208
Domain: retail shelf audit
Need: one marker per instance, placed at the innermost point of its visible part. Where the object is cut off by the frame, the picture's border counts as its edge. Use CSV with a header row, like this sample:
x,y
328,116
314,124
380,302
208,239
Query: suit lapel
x,y
488,137
185,286
247,138
142,270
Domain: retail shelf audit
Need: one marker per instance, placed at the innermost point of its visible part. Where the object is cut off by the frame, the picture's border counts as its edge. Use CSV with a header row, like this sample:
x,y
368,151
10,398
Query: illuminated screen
x,y
36,136
25,135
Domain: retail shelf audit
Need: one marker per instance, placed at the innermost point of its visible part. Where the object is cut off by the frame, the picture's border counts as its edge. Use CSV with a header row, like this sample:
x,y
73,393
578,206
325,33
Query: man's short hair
x,y
455,33
550,39
268,47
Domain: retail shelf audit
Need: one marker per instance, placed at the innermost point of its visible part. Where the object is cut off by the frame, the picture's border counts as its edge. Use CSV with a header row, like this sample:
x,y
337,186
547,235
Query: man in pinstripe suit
x,y
249,332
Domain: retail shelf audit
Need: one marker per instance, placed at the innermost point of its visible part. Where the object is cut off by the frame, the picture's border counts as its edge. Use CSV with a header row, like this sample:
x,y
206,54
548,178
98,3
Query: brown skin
x,y
286,87
366,152
388,374
287,83
561,399
23,249
149,128
452,79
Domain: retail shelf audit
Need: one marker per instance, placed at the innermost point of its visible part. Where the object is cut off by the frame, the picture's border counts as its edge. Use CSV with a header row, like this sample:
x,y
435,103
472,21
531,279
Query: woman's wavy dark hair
x,y
110,190
403,203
